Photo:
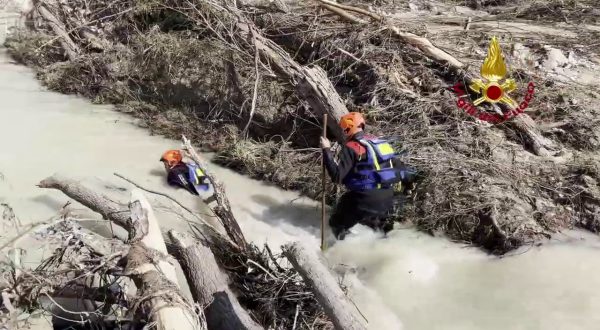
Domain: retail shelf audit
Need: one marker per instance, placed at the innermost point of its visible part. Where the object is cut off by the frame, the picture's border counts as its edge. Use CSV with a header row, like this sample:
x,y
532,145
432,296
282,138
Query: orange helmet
x,y
172,157
352,123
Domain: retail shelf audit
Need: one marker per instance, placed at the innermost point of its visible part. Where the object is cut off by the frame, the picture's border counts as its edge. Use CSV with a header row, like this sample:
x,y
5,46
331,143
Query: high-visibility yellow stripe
x,y
199,173
385,149
374,155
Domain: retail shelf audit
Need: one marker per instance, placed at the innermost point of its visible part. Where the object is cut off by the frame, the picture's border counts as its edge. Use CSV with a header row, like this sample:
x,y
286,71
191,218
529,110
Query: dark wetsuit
x,y
368,207
178,176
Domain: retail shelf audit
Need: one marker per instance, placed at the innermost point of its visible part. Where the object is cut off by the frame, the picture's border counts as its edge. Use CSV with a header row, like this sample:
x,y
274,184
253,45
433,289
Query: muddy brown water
x,y
406,281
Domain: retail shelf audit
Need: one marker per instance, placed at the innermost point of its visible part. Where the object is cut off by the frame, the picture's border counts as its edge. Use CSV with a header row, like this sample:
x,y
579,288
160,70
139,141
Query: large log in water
x,y
118,213
311,266
154,276
147,264
90,199
209,285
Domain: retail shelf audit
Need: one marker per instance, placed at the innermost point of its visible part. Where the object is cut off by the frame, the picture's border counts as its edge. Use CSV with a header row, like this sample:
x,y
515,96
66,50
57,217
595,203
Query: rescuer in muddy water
x,y
369,169
188,176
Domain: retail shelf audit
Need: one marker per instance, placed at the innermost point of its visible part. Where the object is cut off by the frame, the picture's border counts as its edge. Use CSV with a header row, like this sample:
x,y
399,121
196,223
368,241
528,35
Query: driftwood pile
x,y
131,282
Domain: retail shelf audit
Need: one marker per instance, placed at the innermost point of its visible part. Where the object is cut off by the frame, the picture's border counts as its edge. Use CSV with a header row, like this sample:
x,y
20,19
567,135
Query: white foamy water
x,y
406,281
431,283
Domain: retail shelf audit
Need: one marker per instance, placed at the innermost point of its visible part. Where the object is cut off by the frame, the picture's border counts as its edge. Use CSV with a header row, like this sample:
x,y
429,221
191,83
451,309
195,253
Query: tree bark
x,y
531,135
155,277
311,84
209,285
118,213
67,43
311,266
109,210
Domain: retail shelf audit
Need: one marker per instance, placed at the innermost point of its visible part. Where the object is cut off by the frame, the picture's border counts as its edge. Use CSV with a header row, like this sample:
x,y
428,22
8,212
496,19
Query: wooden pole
x,y
324,182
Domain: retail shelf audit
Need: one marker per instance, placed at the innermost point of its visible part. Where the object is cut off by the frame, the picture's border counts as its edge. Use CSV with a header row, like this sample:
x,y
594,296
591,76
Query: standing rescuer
x,y
188,176
368,168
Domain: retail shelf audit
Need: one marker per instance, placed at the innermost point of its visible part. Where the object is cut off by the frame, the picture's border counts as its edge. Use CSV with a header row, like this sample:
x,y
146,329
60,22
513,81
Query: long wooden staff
x,y
324,183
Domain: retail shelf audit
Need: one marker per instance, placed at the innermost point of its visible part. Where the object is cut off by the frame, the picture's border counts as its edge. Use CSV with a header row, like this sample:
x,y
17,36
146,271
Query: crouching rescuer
x,y
185,175
370,170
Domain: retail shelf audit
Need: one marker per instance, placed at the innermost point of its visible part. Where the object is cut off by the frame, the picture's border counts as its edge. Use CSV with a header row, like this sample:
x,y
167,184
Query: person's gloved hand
x,y
325,143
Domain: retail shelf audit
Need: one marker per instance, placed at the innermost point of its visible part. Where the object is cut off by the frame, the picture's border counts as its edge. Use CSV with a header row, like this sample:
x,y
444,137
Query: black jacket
x,y
178,176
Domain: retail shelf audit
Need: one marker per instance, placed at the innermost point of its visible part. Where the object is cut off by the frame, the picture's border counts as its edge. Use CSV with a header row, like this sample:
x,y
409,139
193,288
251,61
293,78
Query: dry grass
x,y
568,11
272,291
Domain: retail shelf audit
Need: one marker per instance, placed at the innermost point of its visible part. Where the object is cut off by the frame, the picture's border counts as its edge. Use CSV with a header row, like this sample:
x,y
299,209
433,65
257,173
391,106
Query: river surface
x,y
406,281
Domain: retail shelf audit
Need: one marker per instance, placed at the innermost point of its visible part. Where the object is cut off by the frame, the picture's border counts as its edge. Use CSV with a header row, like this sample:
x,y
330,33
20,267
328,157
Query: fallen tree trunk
x,y
311,84
98,203
85,266
423,44
531,136
311,266
522,123
155,277
209,285
117,213
69,46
